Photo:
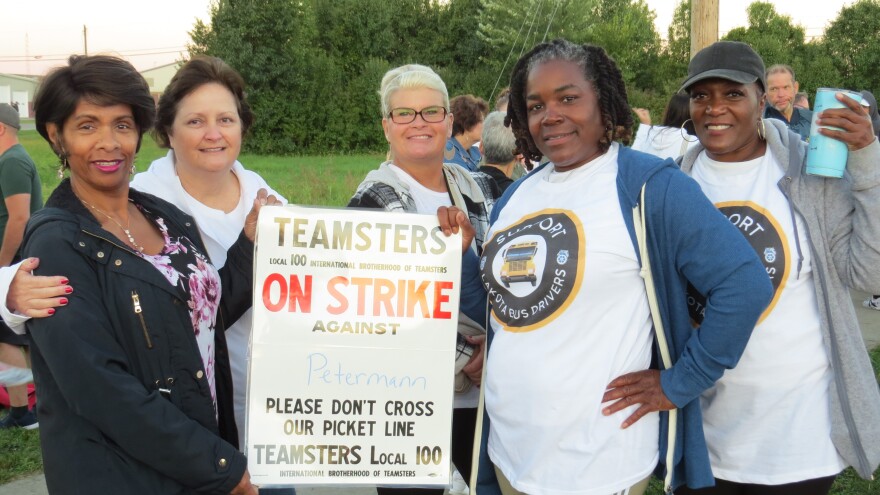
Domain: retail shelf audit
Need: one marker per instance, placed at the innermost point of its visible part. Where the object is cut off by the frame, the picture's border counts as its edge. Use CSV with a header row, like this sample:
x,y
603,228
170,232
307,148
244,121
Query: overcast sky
x,y
40,34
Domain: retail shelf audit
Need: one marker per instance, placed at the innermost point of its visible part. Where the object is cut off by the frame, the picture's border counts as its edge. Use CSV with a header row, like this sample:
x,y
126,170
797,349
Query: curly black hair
x,y
599,69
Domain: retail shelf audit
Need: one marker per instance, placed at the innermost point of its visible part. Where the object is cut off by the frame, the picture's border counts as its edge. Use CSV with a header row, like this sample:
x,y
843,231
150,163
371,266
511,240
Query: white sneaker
x,y
459,487
873,303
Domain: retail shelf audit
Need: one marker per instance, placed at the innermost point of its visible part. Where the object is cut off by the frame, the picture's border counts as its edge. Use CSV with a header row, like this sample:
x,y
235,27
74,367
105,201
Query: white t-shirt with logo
x,y
768,421
570,314
427,202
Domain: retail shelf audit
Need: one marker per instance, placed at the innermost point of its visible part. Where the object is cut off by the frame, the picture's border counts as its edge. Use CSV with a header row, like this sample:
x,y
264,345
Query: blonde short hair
x,y
410,76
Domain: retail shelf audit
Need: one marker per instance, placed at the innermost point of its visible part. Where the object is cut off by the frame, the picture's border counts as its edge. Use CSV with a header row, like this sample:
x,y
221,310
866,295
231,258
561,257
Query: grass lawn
x,y
307,180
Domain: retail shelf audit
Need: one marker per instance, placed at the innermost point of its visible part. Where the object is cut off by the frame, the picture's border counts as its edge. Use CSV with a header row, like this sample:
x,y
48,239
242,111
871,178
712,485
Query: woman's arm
x,y
715,258
852,205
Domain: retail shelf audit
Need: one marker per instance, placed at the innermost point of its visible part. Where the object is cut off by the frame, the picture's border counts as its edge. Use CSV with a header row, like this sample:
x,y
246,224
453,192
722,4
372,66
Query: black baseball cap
x,y
731,60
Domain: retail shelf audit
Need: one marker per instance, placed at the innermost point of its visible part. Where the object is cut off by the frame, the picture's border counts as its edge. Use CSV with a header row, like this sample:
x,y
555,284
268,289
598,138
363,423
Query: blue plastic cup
x,y
827,156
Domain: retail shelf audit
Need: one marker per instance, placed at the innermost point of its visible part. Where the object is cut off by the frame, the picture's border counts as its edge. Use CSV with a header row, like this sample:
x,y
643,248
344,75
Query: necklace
x,y
124,229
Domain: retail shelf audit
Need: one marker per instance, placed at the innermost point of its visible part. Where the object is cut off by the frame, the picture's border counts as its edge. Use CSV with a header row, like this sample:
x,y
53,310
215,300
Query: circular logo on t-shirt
x,y
766,237
532,267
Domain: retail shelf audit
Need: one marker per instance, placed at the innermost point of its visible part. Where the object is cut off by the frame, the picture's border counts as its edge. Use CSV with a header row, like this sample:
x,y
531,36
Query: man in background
x,y
22,195
781,89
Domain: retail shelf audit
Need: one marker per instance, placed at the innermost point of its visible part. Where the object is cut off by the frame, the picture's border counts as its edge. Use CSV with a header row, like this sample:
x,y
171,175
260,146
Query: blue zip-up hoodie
x,y
689,240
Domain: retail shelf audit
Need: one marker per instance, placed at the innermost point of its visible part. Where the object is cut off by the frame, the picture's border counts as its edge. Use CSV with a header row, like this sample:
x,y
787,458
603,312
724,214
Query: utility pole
x,y
704,24
85,40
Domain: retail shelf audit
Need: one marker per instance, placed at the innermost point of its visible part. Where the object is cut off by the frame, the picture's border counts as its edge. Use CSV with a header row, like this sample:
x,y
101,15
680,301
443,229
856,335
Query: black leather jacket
x,y
123,403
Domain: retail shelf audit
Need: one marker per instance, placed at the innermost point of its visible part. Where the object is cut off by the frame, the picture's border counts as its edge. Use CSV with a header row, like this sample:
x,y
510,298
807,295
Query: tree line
x,y
313,67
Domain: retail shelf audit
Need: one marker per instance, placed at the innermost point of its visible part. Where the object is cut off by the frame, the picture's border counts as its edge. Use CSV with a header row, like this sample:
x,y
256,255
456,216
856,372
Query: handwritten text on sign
x,y
352,351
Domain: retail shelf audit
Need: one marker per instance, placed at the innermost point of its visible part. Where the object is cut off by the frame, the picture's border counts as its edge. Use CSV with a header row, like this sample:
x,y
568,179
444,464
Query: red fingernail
x,y
65,282
63,301
68,290
51,311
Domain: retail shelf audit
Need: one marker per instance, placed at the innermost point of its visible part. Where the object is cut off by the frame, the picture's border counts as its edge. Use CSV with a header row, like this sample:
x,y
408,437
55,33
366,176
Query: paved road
x,y
36,485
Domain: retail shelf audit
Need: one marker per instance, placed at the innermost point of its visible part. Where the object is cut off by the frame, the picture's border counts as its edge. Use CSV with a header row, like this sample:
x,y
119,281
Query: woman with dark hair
x,y
201,118
670,139
132,373
468,113
813,407
572,402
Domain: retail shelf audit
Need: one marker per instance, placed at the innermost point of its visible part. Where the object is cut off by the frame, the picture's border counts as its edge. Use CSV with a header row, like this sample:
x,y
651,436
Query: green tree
x,y
772,35
852,41
263,40
510,28
678,44
625,28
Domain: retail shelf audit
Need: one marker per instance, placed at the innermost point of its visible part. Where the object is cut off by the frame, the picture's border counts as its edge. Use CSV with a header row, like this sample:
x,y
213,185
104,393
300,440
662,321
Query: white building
x,y
20,90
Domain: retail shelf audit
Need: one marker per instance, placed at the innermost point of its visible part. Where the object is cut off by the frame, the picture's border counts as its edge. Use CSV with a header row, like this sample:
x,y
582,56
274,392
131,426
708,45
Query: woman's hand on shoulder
x,y
452,220
250,222
36,296
857,130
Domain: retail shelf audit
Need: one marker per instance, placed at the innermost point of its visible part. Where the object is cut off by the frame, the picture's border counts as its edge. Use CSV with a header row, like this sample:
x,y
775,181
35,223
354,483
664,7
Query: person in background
x,y
522,166
569,391
22,195
781,90
801,100
498,147
502,100
415,103
670,139
468,112
813,402
131,374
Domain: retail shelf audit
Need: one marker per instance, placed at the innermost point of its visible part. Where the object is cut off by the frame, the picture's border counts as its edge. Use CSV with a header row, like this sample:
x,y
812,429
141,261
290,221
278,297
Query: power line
x,y
63,56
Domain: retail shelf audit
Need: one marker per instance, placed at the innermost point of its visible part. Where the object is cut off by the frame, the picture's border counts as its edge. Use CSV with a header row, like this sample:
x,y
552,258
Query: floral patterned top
x,y
198,282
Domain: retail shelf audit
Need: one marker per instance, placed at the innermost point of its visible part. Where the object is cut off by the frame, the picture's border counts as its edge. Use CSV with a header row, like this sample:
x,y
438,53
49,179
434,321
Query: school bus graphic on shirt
x,y
519,263
547,249
767,237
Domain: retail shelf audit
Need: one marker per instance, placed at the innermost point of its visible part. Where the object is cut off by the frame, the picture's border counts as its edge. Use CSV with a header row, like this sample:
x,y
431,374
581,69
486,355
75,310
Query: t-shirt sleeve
x,y
16,176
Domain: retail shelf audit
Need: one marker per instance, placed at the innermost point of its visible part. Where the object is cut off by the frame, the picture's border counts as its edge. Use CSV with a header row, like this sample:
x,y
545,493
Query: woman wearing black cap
x,y
802,404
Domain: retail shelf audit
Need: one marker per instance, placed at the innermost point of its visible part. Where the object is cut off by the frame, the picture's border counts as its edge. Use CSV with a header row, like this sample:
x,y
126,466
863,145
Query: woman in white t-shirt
x,y
573,403
415,179
669,139
802,404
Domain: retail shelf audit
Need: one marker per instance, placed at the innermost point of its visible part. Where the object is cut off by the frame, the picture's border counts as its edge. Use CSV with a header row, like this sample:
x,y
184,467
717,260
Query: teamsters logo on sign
x,y
531,268
766,237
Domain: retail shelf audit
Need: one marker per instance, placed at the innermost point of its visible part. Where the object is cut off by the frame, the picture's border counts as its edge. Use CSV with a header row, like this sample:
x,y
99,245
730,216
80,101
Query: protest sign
x,y
352,350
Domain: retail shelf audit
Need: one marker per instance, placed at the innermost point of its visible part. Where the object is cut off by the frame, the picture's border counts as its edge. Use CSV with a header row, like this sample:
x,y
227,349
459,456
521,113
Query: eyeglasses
x,y
431,115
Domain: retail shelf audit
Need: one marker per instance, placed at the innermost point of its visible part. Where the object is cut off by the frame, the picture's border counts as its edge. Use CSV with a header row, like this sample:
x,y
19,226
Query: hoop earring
x,y
684,133
762,130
